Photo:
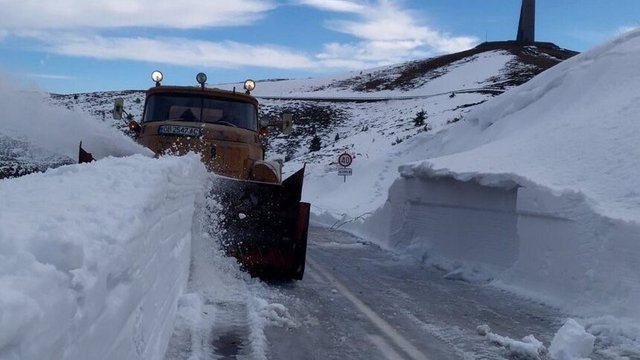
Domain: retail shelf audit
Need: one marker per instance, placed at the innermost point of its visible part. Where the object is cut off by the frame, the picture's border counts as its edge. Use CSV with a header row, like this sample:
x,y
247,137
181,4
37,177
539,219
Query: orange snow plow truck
x,y
264,224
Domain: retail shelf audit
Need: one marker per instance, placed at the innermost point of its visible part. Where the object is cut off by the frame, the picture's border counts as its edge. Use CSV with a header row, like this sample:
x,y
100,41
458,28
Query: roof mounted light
x,y
201,78
157,77
249,85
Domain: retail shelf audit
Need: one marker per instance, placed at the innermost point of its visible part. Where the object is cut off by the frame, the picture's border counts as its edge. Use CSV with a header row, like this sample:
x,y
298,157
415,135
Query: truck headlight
x,y
157,77
201,78
249,85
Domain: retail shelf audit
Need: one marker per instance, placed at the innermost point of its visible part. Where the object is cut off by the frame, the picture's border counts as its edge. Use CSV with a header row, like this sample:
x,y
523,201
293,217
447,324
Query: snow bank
x,y
567,141
548,244
573,127
93,257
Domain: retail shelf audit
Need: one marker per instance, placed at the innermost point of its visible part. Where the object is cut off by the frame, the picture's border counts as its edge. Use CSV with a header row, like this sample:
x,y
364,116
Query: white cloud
x,y
183,14
174,51
335,5
381,22
50,76
383,32
369,54
386,34
625,29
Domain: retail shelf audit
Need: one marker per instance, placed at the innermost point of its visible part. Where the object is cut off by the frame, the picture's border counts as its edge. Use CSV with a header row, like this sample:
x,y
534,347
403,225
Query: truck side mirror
x,y
118,108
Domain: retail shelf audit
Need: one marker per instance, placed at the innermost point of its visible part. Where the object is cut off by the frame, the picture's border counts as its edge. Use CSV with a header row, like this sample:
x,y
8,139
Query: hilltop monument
x,y
527,24
526,35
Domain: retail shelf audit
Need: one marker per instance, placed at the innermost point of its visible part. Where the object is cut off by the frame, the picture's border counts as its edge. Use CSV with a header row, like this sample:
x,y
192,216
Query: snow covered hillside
x,y
534,191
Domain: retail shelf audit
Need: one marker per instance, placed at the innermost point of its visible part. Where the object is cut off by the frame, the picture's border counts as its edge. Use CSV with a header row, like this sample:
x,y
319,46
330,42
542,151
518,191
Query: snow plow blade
x,y
84,156
264,226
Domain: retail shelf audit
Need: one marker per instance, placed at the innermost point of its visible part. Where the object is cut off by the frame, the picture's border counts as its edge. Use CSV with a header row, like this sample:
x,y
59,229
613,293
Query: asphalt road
x,y
358,301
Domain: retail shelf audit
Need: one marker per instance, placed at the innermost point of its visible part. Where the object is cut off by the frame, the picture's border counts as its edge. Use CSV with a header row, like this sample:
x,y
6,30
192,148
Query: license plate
x,y
179,130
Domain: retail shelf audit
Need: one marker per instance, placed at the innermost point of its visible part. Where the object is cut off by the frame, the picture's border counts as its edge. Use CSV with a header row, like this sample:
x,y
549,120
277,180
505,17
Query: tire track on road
x,y
389,331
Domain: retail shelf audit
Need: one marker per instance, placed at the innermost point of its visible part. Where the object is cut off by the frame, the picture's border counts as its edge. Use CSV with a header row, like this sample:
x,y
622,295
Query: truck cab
x,y
221,125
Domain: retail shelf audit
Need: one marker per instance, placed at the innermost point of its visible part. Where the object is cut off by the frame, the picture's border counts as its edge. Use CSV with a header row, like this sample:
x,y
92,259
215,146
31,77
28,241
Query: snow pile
x,y
26,116
566,144
528,348
94,256
571,342
572,128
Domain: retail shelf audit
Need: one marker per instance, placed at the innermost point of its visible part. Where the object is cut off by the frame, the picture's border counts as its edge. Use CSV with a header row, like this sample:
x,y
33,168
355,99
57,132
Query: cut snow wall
x,y
551,245
457,220
582,260
95,256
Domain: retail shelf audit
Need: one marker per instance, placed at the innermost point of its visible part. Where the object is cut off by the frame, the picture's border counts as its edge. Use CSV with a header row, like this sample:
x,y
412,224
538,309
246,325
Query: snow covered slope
x,y
573,127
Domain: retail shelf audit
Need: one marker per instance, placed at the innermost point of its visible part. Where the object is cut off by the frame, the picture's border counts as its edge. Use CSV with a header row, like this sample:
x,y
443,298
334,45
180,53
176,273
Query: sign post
x,y
344,160
287,123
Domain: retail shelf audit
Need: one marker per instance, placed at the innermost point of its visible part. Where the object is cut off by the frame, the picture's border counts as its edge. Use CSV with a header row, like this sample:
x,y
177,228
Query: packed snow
x,y
535,192
74,283
571,128
571,342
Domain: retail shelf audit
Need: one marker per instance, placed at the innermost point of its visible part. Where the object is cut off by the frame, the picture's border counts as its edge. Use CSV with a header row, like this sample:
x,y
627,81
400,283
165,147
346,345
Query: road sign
x,y
345,160
345,172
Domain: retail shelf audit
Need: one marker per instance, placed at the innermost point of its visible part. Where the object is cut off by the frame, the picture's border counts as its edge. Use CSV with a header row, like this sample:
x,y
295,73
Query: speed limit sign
x,y
345,160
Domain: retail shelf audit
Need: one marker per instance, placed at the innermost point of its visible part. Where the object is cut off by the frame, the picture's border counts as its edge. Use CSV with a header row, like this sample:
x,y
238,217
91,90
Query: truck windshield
x,y
161,107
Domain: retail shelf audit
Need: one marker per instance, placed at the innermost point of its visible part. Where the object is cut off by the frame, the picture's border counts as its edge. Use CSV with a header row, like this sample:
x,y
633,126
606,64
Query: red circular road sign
x,y
345,160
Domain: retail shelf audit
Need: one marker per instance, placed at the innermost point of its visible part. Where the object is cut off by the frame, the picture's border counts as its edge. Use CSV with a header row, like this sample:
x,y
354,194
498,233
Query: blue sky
x,y
69,46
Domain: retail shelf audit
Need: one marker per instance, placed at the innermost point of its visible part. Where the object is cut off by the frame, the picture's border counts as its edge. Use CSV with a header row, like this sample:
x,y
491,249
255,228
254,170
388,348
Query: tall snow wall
x,y
94,256
546,244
